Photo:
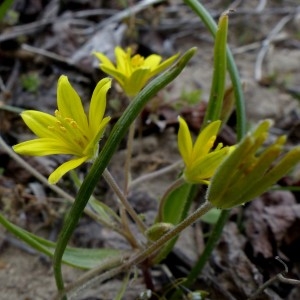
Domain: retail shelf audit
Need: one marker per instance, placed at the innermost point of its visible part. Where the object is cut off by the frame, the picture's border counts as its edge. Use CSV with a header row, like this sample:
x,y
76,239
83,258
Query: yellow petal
x,y
39,123
206,166
164,65
262,128
64,168
104,60
123,61
45,146
69,103
119,76
152,61
205,139
98,104
185,144
89,151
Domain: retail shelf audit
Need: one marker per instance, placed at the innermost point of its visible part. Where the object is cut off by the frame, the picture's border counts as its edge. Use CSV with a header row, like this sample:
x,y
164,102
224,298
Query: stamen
x,y
72,132
137,61
62,128
71,122
57,113
80,143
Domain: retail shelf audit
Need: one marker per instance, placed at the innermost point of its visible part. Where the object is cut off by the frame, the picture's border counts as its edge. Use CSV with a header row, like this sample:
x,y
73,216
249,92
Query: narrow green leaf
x,y
215,102
76,257
210,24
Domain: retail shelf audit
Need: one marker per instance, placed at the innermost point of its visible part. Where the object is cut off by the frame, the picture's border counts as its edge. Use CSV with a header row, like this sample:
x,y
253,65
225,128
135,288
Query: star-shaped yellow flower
x,y
133,72
200,162
248,171
70,130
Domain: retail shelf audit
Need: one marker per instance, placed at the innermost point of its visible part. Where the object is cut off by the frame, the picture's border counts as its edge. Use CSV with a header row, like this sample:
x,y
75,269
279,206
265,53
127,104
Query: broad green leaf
x,y
212,216
174,206
174,210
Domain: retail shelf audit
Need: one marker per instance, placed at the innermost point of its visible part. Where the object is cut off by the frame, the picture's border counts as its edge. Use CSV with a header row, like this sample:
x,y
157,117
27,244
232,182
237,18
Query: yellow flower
x,y
133,72
70,130
200,162
248,172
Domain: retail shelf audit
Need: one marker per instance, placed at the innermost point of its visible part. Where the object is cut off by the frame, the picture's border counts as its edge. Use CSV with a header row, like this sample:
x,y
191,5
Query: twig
x,y
127,165
266,44
47,54
110,180
18,244
142,255
33,27
279,277
13,75
155,174
245,48
127,12
261,5
88,276
54,188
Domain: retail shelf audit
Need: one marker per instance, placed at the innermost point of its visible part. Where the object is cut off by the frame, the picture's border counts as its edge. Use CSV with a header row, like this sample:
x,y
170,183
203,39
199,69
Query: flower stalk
x,y
114,186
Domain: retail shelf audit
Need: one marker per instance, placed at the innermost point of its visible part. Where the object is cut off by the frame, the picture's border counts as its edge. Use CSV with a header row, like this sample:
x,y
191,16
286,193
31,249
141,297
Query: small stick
x,y
279,277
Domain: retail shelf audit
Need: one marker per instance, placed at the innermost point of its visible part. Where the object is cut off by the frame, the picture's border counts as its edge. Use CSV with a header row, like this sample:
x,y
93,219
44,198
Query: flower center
x,y
137,61
70,130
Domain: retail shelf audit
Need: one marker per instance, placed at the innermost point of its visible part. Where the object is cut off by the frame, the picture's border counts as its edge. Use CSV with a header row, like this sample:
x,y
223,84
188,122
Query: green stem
x,y
209,247
112,183
211,25
192,218
118,132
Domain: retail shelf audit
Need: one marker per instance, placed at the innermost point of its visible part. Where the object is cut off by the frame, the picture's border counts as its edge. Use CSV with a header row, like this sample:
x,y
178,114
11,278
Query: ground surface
x,y
40,42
